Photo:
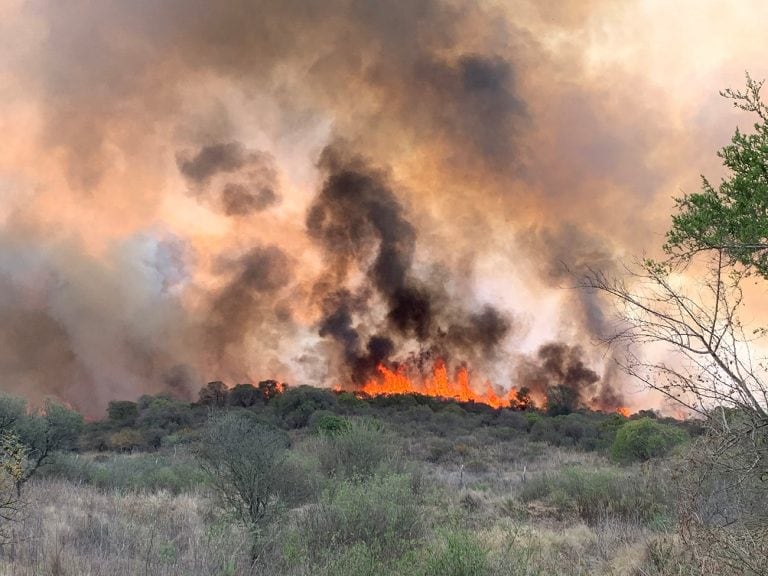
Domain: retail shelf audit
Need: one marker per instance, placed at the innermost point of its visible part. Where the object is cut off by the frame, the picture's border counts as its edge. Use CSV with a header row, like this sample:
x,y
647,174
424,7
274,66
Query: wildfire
x,y
623,410
437,384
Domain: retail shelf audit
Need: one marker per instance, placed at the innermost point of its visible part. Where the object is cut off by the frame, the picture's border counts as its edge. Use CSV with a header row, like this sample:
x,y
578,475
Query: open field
x,y
450,493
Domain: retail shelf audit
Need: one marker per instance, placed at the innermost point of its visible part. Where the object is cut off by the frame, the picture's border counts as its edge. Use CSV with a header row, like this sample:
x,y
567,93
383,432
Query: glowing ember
x,y
623,410
439,384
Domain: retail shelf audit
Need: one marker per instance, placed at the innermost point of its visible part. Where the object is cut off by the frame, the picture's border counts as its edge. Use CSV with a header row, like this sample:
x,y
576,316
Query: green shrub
x,y
134,473
511,419
301,479
596,493
643,439
164,414
460,554
122,412
359,559
382,512
355,452
328,424
296,405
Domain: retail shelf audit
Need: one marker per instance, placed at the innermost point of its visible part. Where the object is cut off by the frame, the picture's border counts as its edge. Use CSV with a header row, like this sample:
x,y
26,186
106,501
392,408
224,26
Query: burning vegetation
x,y
439,384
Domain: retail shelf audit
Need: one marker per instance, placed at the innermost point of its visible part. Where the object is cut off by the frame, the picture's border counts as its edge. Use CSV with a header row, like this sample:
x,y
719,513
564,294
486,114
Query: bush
x,y
459,555
301,480
296,406
164,414
594,494
643,439
134,473
122,412
328,424
357,451
126,440
381,512
244,396
511,419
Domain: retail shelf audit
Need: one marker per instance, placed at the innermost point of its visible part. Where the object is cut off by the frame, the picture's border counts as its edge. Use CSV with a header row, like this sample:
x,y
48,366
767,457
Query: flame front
x,y
437,384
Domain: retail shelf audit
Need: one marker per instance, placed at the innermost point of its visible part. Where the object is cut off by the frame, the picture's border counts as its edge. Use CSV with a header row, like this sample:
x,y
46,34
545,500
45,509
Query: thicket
x,y
162,422
643,439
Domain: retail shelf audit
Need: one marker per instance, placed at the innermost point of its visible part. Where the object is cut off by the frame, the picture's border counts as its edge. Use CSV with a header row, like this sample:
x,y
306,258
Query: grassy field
x,y
383,500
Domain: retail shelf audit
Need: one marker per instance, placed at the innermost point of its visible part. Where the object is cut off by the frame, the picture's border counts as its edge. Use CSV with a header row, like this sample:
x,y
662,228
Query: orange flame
x,y
439,384
623,410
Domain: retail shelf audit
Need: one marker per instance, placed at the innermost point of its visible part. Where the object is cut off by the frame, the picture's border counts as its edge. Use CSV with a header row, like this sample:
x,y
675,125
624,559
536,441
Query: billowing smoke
x,y
362,227
247,301
238,181
560,365
242,190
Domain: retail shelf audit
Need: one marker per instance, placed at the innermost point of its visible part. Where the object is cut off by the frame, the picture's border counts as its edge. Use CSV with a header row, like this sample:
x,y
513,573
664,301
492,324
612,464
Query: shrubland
x,y
310,481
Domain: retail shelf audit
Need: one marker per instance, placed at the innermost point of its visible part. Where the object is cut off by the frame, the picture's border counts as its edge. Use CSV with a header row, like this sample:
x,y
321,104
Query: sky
x,y
242,190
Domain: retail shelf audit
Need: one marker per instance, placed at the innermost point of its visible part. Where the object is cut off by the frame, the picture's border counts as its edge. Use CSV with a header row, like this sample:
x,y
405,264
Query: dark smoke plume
x,y
247,301
241,181
362,226
465,132
560,365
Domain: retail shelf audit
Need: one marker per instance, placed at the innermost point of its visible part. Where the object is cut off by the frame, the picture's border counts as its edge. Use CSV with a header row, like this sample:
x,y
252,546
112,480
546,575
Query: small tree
x,y
270,388
561,400
242,458
122,412
706,359
214,394
12,458
522,400
643,439
57,428
245,396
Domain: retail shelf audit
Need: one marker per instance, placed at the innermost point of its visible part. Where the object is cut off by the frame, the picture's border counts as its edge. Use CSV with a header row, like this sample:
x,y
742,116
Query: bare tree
x,y
682,335
242,458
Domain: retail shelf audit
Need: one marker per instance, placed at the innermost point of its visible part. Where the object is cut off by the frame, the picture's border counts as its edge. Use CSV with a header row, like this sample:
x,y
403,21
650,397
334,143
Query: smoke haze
x,y
241,190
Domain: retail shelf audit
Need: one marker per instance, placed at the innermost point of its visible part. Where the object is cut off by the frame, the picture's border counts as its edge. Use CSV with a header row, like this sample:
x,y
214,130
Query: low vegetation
x,y
307,481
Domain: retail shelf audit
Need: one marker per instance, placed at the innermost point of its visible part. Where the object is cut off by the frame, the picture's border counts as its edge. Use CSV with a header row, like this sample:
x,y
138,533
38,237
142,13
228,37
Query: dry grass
x,y
469,507
81,531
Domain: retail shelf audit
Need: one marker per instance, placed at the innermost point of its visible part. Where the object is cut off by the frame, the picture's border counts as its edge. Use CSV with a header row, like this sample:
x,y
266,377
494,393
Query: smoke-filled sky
x,y
299,189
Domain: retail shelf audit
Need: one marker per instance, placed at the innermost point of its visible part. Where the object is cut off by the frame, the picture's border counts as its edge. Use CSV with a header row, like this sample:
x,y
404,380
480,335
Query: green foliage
x,y
135,473
296,405
460,554
643,439
329,424
574,430
165,414
214,394
126,440
244,396
12,410
381,512
734,215
351,404
357,451
512,419
122,412
13,455
57,428
301,480
597,493
561,400
62,425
